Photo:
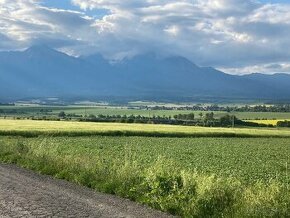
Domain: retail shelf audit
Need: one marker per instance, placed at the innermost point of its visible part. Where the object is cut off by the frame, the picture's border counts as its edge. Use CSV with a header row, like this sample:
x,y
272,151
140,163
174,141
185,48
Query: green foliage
x,y
228,120
32,128
61,114
255,112
248,159
203,177
283,123
189,116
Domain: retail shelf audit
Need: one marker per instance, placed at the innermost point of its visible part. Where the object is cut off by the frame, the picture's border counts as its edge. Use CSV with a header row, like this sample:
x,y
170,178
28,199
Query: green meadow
x,y
69,128
182,170
112,110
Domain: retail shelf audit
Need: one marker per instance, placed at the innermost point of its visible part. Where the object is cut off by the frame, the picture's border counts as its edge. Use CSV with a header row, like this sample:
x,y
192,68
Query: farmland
x,y
267,122
82,110
185,170
31,127
244,158
244,177
24,111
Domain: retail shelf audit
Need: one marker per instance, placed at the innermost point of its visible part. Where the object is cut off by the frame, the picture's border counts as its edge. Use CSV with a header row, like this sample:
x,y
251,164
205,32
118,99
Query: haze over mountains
x,y
40,72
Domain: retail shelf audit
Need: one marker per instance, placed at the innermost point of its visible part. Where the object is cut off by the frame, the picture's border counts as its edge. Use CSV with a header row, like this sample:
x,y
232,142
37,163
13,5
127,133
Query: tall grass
x,y
162,184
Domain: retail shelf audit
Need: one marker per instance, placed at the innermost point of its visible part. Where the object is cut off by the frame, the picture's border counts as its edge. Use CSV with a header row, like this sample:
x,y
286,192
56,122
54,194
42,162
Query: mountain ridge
x,y
40,71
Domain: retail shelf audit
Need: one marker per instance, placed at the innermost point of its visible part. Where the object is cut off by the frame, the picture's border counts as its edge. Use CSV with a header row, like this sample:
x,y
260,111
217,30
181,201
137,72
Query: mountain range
x,y
40,72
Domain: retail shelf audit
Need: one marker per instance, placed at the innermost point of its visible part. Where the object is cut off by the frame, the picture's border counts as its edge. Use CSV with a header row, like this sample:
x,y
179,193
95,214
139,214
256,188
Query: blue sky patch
x,y
67,5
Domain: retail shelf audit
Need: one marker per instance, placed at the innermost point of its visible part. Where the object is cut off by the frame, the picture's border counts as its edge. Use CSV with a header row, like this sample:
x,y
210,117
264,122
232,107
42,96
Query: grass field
x,y
96,110
248,159
110,110
197,177
261,115
267,122
86,128
233,175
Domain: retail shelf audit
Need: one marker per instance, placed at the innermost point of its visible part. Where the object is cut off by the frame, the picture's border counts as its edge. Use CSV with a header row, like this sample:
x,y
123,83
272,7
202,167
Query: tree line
x,y
247,108
285,123
206,120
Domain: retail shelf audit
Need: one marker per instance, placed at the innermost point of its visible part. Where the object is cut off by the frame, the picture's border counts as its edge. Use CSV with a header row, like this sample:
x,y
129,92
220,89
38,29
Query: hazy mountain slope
x,y
43,72
279,82
178,76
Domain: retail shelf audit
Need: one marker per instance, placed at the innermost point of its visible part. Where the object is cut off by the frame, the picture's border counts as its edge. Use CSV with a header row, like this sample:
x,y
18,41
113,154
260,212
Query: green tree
x,y
228,120
200,115
209,119
62,114
190,116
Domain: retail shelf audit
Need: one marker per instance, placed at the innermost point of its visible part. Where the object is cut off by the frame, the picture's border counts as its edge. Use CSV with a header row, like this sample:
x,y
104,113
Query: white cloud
x,y
270,68
234,35
272,13
26,22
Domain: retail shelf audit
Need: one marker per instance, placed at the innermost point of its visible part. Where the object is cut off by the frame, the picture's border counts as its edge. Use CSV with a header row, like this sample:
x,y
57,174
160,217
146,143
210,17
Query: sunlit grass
x,y
89,128
267,122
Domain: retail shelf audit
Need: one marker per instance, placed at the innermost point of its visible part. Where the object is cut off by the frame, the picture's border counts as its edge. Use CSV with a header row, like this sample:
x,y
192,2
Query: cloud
x,y
234,35
270,68
220,33
26,22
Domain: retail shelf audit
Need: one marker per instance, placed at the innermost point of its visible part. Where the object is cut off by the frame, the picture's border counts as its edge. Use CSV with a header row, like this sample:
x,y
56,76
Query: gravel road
x,y
24,193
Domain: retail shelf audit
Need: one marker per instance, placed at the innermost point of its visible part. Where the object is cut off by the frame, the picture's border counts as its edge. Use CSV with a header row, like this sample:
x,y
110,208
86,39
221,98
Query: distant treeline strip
x,y
205,120
285,123
282,108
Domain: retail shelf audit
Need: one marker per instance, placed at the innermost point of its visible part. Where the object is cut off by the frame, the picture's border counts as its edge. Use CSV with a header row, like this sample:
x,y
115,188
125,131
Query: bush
x,y
62,114
283,123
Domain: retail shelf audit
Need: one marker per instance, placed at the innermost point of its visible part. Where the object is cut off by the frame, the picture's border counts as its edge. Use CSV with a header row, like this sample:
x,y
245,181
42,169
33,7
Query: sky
x,y
236,36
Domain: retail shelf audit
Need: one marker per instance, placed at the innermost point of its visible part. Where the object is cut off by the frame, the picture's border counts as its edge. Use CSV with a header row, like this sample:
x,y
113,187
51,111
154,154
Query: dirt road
x,y
26,194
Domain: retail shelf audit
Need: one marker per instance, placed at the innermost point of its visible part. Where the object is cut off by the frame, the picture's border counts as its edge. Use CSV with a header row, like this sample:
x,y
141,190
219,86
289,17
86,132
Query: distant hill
x,y
40,72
